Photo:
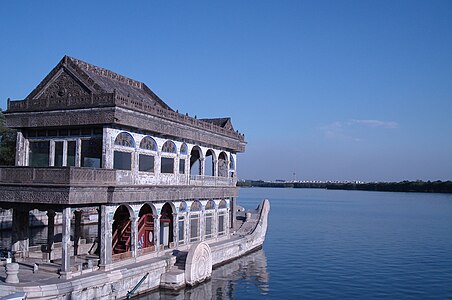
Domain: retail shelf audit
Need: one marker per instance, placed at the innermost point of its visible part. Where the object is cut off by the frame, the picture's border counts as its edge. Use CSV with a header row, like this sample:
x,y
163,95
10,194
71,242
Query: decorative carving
x,y
106,73
198,266
125,139
63,86
169,147
184,149
148,143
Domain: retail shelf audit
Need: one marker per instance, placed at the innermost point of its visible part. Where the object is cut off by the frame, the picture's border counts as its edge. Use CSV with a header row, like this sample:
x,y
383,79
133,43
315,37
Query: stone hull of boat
x,y
115,284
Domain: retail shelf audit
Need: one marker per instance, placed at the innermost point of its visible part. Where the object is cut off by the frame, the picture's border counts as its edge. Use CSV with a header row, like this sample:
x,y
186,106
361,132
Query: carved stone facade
x,y
63,86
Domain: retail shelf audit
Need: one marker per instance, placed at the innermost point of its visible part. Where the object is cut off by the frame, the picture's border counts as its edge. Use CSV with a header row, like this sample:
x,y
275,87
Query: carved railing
x,y
93,100
203,180
116,99
57,175
93,177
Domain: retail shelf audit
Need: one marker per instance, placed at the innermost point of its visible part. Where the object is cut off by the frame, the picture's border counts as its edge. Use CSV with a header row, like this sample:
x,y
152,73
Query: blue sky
x,y
330,90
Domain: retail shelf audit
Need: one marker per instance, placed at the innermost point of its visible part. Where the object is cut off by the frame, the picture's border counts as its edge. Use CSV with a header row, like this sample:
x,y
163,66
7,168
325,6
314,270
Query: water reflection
x,y
229,280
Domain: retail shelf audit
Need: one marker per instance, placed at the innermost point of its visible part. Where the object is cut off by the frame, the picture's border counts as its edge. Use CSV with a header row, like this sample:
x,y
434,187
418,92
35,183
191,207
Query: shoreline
x,y
444,187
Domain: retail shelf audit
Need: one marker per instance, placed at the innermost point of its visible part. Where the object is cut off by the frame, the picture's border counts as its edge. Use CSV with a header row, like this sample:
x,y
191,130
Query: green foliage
x,y
7,143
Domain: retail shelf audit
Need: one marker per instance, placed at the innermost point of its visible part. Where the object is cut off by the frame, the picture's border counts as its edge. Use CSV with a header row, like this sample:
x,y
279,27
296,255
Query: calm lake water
x,y
325,244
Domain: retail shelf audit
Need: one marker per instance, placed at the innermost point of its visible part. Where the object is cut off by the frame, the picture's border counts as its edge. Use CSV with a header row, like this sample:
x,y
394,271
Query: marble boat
x,y
161,184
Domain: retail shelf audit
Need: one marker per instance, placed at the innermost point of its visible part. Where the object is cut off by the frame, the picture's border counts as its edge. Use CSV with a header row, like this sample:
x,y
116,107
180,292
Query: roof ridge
x,y
106,73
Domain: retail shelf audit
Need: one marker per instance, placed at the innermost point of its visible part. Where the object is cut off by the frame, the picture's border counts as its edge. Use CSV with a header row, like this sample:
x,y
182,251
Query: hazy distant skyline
x,y
330,90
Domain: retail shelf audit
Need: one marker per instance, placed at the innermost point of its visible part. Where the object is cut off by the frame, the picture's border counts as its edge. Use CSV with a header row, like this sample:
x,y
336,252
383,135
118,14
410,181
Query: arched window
x,y
169,147
209,219
182,206
122,160
195,212
167,163
148,143
146,160
125,139
222,204
196,206
184,149
222,218
210,205
181,223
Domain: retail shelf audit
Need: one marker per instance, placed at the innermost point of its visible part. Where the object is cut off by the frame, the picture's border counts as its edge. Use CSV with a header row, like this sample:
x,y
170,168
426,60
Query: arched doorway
x,y
223,165
209,163
121,239
166,226
146,228
195,161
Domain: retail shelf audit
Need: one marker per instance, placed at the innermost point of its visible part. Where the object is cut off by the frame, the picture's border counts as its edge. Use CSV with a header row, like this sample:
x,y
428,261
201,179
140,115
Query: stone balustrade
x,y
203,180
56,175
95,177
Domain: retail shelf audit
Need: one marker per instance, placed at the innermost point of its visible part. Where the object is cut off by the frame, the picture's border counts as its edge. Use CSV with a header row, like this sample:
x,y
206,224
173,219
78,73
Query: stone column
x,y
52,153
157,166
134,235
215,223
187,227
66,244
175,230
64,153
78,153
226,222
78,230
50,231
202,166
21,150
135,165
157,232
228,165
107,152
215,167
201,225
105,238
19,234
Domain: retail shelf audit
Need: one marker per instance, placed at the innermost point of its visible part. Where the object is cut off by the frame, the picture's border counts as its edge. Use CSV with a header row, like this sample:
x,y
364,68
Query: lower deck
x,y
44,280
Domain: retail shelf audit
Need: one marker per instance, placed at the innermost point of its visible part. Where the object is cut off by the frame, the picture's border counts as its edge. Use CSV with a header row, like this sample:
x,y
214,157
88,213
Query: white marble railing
x,y
96,177
202,180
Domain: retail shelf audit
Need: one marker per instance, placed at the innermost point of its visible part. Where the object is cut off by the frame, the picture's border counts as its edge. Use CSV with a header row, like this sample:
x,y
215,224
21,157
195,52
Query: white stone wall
x,y
135,176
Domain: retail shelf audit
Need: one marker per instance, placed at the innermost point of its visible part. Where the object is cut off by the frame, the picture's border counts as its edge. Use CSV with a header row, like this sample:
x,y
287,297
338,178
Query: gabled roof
x,y
222,122
83,78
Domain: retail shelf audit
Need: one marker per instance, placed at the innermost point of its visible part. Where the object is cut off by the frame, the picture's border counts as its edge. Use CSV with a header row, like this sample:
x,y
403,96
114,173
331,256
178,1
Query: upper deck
x,y
90,134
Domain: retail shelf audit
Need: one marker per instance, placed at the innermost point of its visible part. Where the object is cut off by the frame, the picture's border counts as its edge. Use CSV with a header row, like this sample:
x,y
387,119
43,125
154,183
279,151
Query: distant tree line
x,y
403,186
